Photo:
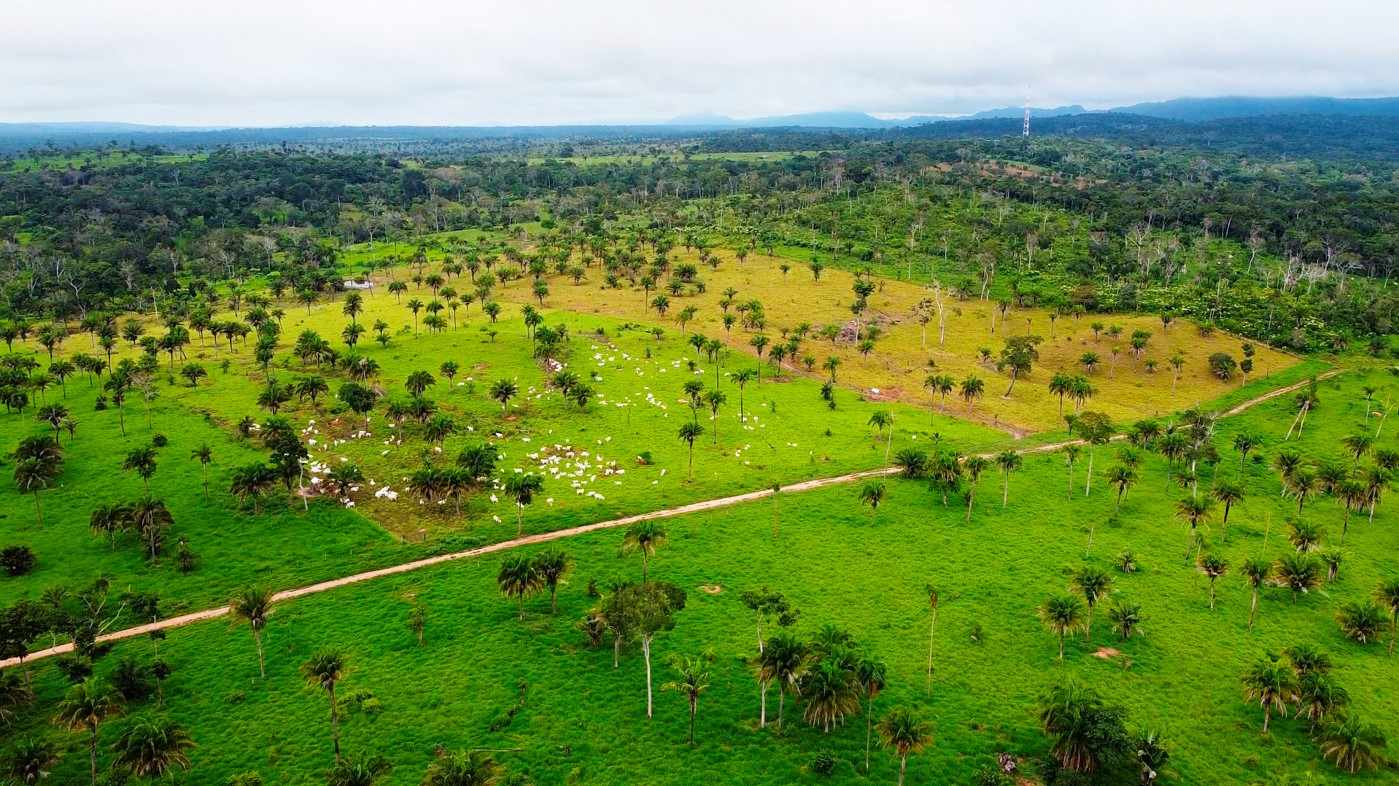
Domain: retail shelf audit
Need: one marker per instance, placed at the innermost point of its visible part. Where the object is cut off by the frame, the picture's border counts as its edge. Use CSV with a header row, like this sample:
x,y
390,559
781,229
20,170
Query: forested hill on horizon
x,y
1280,119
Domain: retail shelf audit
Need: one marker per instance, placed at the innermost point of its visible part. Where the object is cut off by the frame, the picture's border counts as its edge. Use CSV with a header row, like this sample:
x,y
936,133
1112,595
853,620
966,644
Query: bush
x,y
17,560
160,440
823,764
133,680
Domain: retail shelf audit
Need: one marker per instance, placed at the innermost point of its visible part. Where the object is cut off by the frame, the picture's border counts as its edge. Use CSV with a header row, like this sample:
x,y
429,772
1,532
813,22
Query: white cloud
x,y
259,62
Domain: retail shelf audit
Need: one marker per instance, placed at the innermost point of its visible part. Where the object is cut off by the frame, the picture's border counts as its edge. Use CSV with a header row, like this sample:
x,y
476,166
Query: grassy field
x,y
581,721
637,158
59,162
589,456
908,351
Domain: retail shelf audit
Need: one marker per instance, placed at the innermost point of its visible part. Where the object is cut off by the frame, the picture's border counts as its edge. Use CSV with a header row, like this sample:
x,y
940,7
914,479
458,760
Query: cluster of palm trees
x,y
149,746
949,472
1067,614
1300,683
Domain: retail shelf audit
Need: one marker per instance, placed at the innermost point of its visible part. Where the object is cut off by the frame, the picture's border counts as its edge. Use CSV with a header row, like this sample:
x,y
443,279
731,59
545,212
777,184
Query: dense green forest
x,y
1297,252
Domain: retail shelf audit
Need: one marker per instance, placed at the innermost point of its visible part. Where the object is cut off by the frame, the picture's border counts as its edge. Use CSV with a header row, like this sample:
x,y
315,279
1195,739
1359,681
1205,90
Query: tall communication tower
x,y
1026,131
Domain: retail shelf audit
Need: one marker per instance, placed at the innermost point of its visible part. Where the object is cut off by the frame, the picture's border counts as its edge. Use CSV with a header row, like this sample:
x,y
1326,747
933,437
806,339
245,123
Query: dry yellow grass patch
x,y
907,351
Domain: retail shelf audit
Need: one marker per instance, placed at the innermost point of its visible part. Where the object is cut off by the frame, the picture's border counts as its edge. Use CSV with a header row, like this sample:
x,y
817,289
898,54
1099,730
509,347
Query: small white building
x,y
351,284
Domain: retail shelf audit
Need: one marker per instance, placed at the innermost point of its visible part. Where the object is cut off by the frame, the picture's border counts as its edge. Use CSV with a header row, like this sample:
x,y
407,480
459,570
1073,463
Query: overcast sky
x,y
478,62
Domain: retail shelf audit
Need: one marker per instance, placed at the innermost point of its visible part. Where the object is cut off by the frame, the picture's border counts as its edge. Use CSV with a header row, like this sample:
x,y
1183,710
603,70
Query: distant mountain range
x,y
1197,115
1191,110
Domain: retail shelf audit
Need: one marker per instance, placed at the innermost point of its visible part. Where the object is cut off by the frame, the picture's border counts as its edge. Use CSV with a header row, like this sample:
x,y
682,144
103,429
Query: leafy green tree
x,y
1095,429
972,468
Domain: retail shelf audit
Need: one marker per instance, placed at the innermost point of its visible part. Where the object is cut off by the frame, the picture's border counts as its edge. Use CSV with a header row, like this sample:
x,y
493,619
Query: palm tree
x,y
644,537
784,660
972,389
1244,443
30,761
871,675
872,494
1213,566
503,390
87,706
323,670
463,768
153,747
689,432
518,578
1062,615
933,598
691,679
741,378
1070,456
1319,696
1009,461
905,734
831,693
1388,596
1093,584
1299,572
1257,572
552,566
1076,719
254,605
205,456
1361,622
884,421
33,475
1126,618
141,461
1272,684
972,468
1228,494
1353,745
1123,478
521,487
1194,510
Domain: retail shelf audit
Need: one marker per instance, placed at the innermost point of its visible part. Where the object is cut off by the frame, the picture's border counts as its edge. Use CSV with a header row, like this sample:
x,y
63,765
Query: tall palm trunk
x,y
257,642
646,653
334,722
932,626
92,755
903,766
